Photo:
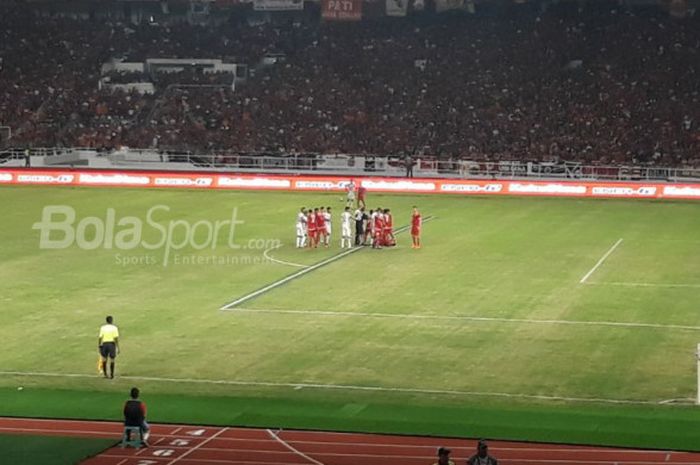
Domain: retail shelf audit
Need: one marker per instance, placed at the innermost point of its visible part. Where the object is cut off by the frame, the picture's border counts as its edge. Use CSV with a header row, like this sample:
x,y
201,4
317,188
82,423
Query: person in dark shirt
x,y
359,225
444,457
482,456
135,415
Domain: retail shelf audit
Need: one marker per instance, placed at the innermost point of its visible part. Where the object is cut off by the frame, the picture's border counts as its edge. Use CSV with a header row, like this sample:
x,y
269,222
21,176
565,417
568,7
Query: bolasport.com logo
x,y
165,239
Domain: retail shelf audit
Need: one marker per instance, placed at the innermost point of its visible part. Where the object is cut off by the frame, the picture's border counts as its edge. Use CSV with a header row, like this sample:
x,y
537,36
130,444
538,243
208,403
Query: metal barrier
x,y
360,165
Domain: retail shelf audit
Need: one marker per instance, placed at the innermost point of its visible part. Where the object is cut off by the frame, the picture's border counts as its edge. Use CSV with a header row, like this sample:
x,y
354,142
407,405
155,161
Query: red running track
x,y
193,445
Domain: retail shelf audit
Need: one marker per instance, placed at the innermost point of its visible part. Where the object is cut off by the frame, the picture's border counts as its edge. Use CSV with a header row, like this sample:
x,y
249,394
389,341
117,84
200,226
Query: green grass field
x,y
49,450
486,330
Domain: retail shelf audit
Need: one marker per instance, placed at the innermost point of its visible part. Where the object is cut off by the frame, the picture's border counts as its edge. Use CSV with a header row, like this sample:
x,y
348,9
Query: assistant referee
x,y
108,345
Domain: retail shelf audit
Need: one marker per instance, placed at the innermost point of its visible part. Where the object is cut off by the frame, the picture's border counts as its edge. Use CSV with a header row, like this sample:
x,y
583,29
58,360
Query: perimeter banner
x,y
204,180
341,10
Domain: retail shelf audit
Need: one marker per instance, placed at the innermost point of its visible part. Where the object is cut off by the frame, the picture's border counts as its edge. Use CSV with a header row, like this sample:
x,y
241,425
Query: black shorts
x,y
108,350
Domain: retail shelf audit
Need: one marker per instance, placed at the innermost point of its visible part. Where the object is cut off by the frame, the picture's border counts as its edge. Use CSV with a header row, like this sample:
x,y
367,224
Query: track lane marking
x,y
525,447
292,448
198,446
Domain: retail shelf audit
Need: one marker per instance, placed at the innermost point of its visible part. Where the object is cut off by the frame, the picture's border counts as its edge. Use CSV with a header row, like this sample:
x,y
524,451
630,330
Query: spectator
x,y
135,415
443,454
482,456
408,161
596,83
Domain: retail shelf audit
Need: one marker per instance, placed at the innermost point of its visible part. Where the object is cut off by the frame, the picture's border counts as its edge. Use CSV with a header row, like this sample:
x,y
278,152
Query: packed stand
x,y
601,85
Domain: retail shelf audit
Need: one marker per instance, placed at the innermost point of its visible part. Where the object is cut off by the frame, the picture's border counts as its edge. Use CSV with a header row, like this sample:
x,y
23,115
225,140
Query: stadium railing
x,y
309,163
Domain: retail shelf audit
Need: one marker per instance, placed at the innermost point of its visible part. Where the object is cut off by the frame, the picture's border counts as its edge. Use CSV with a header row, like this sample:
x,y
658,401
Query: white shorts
x,y
328,229
347,231
351,195
300,230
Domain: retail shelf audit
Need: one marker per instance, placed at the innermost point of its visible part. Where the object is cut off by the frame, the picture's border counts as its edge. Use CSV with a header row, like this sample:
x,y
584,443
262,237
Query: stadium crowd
x,y
597,84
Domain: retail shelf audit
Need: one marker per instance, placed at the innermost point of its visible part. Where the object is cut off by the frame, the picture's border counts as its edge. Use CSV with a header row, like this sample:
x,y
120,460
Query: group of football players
x,y
374,228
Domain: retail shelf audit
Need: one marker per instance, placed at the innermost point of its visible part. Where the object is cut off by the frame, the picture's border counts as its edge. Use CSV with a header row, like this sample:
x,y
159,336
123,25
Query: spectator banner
x,y
396,7
205,180
341,10
446,5
278,5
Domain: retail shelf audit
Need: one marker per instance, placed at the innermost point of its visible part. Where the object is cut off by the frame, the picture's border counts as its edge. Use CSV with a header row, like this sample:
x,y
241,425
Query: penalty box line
x,y
600,262
301,273
472,318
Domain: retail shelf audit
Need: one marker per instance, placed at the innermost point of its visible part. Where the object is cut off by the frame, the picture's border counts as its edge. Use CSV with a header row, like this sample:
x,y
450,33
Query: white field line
x,y
346,387
267,255
600,262
630,284
286,279
198,446
302,272
292,448
486,319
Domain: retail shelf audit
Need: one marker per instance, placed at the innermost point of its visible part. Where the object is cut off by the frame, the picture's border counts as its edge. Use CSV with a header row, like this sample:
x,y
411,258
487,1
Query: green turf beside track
x,y
48,450
650,427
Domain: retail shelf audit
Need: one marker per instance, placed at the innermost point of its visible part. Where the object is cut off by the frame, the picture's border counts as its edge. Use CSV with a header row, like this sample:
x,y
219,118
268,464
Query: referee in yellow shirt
x,y
108,345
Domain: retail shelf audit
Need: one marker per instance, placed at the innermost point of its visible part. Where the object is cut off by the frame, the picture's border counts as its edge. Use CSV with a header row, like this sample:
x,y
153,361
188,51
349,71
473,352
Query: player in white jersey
x,y
328,217
350,189
346,219
301,228
372,217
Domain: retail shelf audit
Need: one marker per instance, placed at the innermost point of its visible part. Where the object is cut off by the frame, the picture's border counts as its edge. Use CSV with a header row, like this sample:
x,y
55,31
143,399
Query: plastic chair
x,y
132,437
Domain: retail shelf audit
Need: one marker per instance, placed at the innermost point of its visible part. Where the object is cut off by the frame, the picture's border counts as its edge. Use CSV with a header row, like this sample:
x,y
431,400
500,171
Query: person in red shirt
x,y
321,225
416,222
378,229
369,226
361,191
389,238
135,415
311,227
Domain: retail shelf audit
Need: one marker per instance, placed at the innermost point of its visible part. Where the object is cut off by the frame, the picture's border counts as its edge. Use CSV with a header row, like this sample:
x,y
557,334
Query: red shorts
x,y
415,231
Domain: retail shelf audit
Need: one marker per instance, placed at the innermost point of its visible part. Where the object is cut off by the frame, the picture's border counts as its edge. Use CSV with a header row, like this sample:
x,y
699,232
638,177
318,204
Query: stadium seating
x,y
599,85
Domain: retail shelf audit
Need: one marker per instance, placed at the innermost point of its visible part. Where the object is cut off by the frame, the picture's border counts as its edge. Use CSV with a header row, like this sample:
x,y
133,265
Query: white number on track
x,y
163,452
180,442
196,432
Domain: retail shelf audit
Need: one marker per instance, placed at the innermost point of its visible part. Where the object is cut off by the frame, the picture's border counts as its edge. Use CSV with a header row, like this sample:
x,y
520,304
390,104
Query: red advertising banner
x,y
204,180
341,10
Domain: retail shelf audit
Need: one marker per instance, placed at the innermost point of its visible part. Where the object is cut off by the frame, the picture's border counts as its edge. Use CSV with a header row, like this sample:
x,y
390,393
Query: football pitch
x,y
542,305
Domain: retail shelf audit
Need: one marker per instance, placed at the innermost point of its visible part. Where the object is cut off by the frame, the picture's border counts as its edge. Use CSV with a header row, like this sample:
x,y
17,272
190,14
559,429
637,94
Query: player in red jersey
x,y
361,191
369,226
389,238
416,222
378,229
321,226
311,228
